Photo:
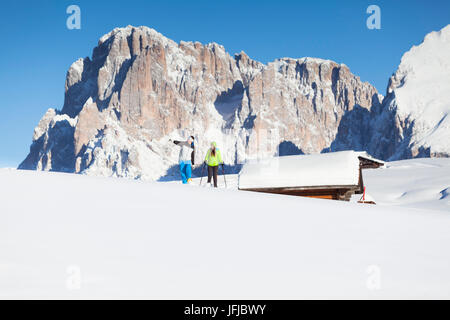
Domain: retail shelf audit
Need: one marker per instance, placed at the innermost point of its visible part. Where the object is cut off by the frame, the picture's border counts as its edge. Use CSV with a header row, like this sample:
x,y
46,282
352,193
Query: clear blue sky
x,y
37,48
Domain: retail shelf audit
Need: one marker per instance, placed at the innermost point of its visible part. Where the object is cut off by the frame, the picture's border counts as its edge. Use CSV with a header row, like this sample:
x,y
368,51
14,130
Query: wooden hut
x,y
335,175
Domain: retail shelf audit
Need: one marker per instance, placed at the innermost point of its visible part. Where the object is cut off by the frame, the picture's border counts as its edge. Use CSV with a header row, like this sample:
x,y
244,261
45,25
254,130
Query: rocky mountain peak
x,y
139,89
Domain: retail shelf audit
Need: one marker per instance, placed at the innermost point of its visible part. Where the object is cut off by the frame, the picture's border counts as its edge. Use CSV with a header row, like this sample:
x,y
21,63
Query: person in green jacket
x,y
213,159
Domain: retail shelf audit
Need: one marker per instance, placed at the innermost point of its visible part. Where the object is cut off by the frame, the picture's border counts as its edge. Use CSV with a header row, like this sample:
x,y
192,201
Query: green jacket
x,y
213,160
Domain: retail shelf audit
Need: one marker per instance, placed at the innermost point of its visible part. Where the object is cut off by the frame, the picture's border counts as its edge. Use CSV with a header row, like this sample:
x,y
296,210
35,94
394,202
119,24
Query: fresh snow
x,y
423,93
418,183
133,239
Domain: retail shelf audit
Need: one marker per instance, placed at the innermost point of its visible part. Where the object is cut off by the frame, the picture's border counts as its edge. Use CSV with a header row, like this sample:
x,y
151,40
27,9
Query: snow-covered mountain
x,y
412,121
141,89
418,100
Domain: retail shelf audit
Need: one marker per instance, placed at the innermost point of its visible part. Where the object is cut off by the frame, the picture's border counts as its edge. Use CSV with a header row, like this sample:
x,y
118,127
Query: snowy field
x,y
71,236
418,183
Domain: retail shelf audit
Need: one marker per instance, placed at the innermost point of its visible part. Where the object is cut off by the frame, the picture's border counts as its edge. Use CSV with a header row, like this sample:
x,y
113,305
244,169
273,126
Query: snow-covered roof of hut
x,y
367,156
325,169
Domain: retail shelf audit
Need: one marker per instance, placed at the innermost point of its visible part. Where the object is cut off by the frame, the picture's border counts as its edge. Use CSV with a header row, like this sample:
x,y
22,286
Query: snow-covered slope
x,y
125,238
418,183
424,75
419,98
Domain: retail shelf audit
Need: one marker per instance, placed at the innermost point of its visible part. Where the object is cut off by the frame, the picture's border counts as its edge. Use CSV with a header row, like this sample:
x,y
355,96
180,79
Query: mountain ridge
x,y
139,89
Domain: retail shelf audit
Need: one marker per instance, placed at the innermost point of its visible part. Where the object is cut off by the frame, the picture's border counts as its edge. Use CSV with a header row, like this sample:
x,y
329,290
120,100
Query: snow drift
x,y
73,236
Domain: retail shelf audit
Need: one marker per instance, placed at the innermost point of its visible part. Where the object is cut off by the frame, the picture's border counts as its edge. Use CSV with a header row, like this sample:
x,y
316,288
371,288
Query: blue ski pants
x,y
185,171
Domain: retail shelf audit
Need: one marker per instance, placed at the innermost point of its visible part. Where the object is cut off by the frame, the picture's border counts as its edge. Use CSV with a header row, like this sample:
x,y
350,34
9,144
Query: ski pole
x,y
225,179
203,167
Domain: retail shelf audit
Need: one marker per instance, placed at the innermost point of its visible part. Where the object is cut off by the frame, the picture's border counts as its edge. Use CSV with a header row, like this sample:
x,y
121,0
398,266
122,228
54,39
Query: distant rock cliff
x,y
140,89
